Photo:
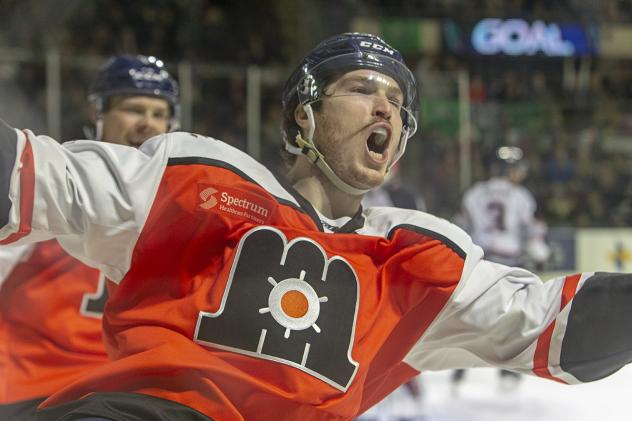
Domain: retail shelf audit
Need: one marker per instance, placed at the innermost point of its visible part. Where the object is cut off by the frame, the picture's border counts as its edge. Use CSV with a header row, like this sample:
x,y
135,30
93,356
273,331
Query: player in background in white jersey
x,y
500,215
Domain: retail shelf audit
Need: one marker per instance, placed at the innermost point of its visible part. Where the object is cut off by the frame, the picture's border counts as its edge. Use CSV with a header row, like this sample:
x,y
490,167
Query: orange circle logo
x,y
294,304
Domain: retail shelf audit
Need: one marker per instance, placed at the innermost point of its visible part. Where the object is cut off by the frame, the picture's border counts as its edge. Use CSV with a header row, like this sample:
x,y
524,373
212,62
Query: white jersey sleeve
x,y
93,196
479,324
570,329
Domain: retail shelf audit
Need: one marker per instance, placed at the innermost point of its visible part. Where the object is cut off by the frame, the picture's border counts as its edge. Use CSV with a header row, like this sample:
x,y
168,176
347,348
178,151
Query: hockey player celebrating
x,y
50,303
243,296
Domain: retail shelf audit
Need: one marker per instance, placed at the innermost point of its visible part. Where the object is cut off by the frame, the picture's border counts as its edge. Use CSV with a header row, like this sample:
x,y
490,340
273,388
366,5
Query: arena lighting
x,y
517,37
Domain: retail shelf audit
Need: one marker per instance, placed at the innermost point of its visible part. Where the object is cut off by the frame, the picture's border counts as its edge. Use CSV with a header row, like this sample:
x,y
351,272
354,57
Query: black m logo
x,y
289,303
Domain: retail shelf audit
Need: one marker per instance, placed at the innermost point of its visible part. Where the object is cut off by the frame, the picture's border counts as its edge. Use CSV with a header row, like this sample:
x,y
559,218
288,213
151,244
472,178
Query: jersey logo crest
x,y
208,200
234,202
289,303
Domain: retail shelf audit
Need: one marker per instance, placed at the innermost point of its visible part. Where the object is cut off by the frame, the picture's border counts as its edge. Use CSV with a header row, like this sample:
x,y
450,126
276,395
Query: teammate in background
x,y
50,303
499,214
240,295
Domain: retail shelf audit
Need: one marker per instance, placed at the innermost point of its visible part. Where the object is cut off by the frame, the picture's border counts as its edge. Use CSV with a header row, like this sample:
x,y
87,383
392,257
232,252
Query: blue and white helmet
x,y
341,54
135,75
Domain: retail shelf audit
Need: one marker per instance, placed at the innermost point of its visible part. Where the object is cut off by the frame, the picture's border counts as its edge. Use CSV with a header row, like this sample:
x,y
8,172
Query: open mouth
x,y
377,143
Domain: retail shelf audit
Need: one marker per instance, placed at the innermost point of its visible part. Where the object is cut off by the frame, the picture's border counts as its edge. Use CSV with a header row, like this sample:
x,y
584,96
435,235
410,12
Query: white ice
x,y
480,398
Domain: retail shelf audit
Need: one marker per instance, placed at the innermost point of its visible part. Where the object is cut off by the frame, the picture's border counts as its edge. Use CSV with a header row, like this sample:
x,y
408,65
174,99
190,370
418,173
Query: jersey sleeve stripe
x,y
541,357
570,288
27,194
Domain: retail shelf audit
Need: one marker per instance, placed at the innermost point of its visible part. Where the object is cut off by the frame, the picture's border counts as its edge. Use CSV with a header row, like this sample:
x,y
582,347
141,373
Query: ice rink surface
x,y
481,398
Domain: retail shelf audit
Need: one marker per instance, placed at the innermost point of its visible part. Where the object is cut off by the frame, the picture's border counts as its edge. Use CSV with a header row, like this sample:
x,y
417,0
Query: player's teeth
x,y
379,136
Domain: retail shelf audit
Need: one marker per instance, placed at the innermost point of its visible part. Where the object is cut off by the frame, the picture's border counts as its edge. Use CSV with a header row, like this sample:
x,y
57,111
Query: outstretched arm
x,y
92,196
572,329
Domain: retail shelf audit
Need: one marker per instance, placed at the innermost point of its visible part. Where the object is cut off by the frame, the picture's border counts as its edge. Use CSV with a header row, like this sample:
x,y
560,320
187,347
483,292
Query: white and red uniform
x,y
235,301
50,321
500,217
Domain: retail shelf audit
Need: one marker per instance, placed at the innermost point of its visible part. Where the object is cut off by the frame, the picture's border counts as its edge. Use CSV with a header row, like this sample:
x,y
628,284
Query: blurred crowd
x,y
573,118
252,32
576,132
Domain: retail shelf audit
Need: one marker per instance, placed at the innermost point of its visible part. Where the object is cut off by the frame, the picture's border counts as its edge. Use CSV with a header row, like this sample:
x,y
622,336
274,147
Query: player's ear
x,y
300,116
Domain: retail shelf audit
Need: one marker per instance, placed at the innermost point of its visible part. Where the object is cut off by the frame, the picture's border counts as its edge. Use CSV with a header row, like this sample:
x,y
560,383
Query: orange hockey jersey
x,y
237,300
50,318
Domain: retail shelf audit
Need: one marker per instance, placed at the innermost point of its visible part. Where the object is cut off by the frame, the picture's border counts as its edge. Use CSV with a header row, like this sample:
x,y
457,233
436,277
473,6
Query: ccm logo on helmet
x,y
378,47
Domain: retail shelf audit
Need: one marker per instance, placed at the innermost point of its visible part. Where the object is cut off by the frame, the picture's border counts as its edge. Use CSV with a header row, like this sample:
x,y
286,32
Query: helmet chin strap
x,y
309,149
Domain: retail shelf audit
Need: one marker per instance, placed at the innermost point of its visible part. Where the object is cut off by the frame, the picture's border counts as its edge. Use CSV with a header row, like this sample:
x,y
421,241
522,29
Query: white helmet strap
x,y
309,149
98,121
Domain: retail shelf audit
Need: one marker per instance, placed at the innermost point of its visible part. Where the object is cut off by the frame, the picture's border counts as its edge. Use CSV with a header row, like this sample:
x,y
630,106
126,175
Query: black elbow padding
x,y
8,152
598,338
